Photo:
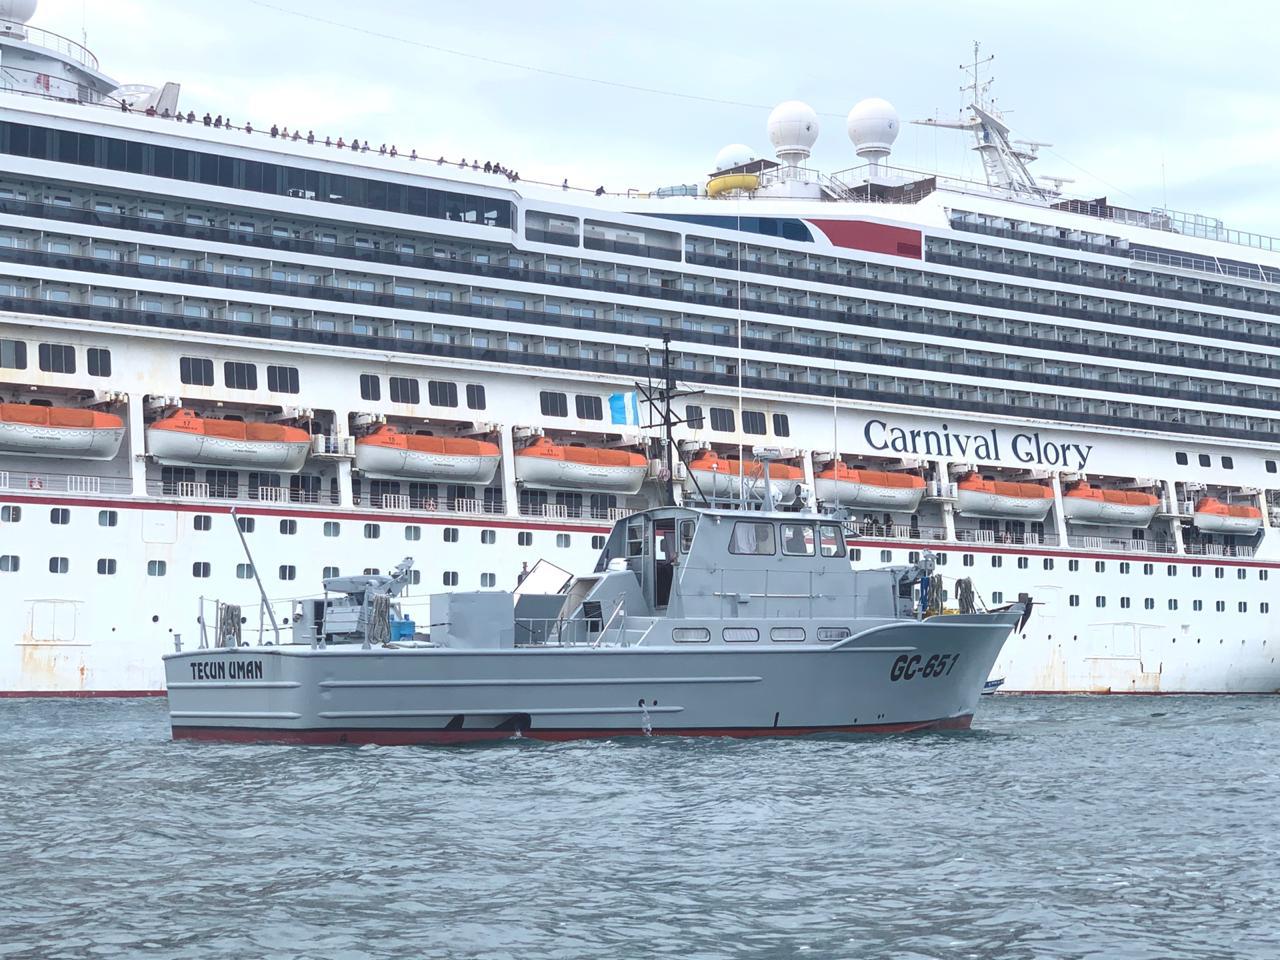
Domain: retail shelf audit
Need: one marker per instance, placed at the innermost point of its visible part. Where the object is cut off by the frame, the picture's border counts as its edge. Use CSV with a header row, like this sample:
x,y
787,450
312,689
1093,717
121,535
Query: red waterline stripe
x,y
79,694
395,738
1136,693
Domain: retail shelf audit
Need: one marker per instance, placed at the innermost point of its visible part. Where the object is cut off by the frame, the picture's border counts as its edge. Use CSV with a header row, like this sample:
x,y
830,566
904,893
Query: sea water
x,y
1124,827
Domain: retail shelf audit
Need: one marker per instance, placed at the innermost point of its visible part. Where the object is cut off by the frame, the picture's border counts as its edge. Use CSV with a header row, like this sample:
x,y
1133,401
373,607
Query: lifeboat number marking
x,y
908,668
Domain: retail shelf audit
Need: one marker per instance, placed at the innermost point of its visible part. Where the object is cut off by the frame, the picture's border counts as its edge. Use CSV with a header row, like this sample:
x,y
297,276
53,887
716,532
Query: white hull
x,y
395,464
979,503
867,496
197,450
551,474
1104,513
32,440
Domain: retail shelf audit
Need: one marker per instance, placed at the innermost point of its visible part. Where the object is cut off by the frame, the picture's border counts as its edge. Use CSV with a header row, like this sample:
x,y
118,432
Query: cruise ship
x,y
367,355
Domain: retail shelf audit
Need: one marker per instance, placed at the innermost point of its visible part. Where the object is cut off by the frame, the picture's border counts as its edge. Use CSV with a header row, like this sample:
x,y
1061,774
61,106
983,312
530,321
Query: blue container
x,y
402,630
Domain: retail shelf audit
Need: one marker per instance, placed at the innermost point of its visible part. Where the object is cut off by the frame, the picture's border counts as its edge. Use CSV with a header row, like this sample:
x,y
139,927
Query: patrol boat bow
x,y
694,622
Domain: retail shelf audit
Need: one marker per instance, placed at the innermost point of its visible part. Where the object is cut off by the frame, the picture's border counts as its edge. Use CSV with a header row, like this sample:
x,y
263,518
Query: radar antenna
x,y
1004,164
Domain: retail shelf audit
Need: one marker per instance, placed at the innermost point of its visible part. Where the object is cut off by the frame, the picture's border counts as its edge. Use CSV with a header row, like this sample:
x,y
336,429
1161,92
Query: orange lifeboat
x,y
845,486
188,440
389,453
1214,516
38,431
976,497
713,476
555,467
1096,506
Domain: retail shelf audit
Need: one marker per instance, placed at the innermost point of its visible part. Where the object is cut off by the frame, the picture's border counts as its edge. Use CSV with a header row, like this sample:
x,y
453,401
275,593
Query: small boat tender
x,y
34,430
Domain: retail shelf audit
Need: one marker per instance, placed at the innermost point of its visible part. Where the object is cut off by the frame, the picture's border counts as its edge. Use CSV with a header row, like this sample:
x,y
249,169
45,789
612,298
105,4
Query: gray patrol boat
x,y
705,622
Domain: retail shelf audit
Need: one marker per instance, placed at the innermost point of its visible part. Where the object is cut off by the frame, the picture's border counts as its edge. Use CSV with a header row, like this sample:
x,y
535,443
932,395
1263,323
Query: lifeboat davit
x,y
976,497
37,431
728,478
1093,505
555,467
871,489
1214,516
190,441
388,453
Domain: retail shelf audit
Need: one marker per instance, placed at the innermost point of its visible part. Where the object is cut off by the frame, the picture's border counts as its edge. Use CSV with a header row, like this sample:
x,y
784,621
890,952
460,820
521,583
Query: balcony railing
x,y
63,483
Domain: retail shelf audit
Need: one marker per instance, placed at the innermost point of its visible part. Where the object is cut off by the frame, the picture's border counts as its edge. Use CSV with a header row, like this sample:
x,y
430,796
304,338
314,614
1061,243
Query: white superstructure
x,y
371,356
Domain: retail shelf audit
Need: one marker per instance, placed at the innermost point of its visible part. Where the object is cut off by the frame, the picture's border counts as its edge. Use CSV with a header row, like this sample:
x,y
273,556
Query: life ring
x,y
35,483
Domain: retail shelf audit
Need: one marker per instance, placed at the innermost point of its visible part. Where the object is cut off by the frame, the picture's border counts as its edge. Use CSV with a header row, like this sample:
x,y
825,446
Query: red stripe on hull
x,y
399,738
79,694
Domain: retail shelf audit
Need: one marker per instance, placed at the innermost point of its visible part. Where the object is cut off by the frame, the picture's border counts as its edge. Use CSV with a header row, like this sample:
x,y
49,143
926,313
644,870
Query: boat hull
x,y
38,440
196,450
1225,523
552,474
396,464
729,486
979,503
1104,513
868,496
441,695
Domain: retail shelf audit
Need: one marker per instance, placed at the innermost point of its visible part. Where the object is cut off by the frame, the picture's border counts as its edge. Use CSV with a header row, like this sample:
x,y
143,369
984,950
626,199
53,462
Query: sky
x,y
1150,104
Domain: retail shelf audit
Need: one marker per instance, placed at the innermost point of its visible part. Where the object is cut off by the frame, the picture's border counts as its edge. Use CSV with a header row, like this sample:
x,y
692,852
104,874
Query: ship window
x,y
98,362
831,540
1264,607
1124,603
1100,601
1171,570
282,379
967,559
834,634
997,561
1181,458
690,635
108,518
442,393
1023,563
371,571
202,521
1262,574
247,524
491,536
1173,604
753,422
589,408
781,425
1270,464
1204,460
1242,573
1073,600
997,597
1125,567
1100,566
1197,604
597,542
288,572
741,635
1228,463
197,371
722,419
486,579
404,390
10,514
450,534
751,538
244,571
1148,569
13,355
450,578
156,568
886,556
797,540
60,516
9,563
693,417
288,527
563,540
787,634
553,404
1197,571
332,528
106,567
1073,565
1220,606
200,570
372,531
59,564
1048,563
413,532
240,376
475,396
524,538
1219,573
57,358
329,572
370,387
855,554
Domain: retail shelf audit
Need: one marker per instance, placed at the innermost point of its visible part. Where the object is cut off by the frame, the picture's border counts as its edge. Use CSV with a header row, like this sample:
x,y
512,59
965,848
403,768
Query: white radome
x,y
873,125
18,11
734,155
793,127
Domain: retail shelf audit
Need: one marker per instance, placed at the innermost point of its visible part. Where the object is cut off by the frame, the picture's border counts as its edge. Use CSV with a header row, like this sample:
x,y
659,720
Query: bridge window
x,y
553,404
475,396
797,540
282,379
442,393
693,416
57,358
98,362
405,390
781,425
240,376
831,540
753,422
13,354
722,419
197,371
752,539
588,407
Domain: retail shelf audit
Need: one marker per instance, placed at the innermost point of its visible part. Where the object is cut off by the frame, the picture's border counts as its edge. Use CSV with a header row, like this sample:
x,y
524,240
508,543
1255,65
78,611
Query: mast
x,y
668,388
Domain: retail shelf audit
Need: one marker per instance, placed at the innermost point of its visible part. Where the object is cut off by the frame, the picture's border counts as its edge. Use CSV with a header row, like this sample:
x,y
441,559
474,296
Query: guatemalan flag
x,y
624,408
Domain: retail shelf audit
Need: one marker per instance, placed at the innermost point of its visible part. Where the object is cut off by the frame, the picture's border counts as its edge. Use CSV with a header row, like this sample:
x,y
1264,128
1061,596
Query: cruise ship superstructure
x,y
371,356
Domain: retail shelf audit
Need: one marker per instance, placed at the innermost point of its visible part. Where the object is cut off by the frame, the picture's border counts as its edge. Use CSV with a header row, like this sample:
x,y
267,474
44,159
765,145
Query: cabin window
x,y
741,635
282,379
553,404
57,358
413,532
404,390
1204,460
372,531
60,516
797,540
834,634
1073,600
1228,463
197,371
690,635
240,376
332,528
11,514
524,538
781,425
597,542
563,540
442,393
1270,464
588,408
1180,458
450,534
686,535
98,362
787,634
9,563
107,567
722,419
156,568
288,527
831,540
200,570
13,355
488,579
451,578
329,572
59,564
491,536
753,422
692,416
108,518
244,571
475,396
752,539
202,522
370,386
288,572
